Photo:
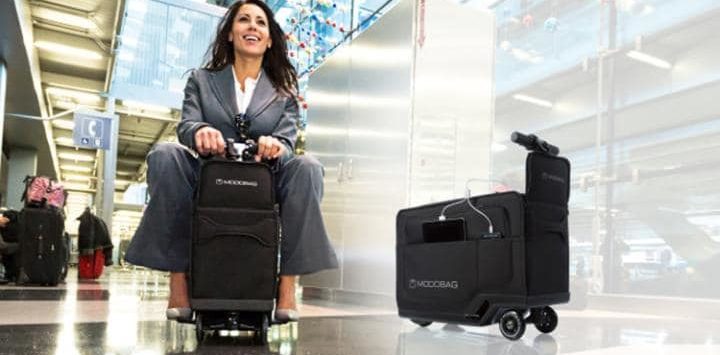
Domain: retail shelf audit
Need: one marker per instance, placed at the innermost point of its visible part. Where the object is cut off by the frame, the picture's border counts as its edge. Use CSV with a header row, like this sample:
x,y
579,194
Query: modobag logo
x,y
552,177
236,182
433,284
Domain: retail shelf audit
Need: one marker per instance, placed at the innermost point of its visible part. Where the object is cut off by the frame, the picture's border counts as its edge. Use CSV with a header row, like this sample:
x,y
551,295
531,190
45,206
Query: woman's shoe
x,y
180,314
286,315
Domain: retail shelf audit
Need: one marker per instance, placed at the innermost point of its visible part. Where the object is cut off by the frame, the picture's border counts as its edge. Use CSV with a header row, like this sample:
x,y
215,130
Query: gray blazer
x,y
210,101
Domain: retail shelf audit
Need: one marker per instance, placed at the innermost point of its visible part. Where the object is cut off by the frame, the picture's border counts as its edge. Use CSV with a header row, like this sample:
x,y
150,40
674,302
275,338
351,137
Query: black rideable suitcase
x,y
457,270
43,248
235,248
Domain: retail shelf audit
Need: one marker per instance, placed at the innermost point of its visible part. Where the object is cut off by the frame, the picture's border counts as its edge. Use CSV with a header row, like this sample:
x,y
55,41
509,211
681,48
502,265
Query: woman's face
x,y
250,32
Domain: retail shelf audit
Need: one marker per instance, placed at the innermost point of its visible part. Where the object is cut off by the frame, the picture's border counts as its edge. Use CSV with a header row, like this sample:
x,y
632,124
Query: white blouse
x,y
242,99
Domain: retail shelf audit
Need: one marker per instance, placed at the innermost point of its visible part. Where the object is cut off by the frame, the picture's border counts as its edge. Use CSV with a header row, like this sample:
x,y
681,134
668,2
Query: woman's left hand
x,y
269,148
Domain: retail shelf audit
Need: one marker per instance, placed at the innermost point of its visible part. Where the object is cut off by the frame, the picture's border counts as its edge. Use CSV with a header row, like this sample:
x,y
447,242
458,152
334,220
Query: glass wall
x,y
628,90
158,44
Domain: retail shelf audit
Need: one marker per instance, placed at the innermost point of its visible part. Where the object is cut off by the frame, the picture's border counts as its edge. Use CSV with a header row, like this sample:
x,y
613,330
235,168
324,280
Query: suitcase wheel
x,y
261,333
512,325
422,323
199,331
545,319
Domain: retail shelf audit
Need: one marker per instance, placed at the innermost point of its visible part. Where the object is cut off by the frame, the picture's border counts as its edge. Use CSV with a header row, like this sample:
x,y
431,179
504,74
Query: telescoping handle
x,y
534,143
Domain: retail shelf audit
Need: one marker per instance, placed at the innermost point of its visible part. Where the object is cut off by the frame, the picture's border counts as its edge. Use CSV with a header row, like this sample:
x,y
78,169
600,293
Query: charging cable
x,y
467,200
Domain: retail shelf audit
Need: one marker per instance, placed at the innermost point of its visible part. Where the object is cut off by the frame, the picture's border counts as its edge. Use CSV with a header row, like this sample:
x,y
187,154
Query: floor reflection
x,y
123,313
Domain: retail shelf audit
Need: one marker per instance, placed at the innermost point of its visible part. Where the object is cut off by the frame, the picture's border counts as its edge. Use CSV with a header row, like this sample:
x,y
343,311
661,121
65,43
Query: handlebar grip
x,y
524,140
534,143
549,148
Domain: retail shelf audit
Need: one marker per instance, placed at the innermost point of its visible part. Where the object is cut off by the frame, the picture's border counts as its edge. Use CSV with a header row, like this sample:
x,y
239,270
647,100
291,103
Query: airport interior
x,y
410,106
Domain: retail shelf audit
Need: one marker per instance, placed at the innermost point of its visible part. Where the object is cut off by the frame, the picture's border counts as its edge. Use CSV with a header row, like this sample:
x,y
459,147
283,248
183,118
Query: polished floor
x,y
123,313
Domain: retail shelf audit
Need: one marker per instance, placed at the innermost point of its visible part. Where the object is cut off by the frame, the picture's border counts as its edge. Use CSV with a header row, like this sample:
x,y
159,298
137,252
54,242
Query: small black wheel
x,y
261,334
512,325
545,319
199,332
422,323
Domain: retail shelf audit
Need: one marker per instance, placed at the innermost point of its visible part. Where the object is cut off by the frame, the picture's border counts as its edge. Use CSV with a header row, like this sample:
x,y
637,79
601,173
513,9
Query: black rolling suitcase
x,y
43,249
497,258
235,248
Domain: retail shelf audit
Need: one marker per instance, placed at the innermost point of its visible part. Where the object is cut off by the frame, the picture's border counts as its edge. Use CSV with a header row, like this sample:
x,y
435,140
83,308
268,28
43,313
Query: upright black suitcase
x,y
497,258
235,248
43,250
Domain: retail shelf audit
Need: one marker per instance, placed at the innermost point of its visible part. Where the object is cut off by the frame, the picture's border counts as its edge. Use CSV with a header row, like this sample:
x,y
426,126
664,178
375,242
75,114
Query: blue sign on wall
x,y
92,129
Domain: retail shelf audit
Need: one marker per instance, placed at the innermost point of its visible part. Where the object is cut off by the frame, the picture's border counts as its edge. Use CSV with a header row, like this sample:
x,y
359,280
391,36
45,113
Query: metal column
x,y
109,170
3,87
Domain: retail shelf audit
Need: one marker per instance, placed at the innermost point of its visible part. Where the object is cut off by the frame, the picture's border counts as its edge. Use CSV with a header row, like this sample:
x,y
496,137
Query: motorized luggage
x,y
235,248
497,258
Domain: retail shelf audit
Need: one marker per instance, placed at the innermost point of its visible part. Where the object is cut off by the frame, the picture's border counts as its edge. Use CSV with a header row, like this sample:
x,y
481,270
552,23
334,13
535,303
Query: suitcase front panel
x,y
234,254
447,276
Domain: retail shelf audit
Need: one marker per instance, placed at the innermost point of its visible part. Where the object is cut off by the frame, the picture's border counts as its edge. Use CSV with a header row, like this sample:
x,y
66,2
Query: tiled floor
x,y
123,313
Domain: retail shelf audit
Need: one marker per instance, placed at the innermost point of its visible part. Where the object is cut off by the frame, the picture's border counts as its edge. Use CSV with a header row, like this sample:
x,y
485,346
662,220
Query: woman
x,y
247,72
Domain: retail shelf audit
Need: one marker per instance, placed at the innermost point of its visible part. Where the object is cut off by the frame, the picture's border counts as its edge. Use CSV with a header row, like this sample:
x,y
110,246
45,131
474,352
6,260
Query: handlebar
x,y
534,143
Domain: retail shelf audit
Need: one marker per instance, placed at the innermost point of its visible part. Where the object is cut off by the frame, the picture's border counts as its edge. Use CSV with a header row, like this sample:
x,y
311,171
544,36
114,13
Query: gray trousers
x,y
162,240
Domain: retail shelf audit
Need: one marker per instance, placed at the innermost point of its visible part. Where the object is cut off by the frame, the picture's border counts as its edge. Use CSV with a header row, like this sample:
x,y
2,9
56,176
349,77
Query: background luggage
x,y
508,271
43,250
41,191
91,266
94,245
235,248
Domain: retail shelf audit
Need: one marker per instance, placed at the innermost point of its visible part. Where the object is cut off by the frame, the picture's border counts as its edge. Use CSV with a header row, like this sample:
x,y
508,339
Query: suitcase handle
x,y
214,229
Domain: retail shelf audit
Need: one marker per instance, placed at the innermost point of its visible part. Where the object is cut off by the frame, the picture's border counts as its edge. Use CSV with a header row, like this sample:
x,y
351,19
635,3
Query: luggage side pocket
x,y
494,264
547,250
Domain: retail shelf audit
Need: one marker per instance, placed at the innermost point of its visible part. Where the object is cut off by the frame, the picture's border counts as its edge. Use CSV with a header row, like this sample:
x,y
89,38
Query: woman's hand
x,y
4,221
208,141
269,148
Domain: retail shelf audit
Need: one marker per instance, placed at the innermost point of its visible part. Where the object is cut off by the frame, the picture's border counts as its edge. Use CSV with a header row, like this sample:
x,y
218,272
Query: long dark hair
x,y
275,61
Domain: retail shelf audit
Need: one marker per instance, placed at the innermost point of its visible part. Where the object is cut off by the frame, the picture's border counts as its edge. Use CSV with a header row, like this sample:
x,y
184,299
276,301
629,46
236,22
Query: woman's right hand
x,y
209,141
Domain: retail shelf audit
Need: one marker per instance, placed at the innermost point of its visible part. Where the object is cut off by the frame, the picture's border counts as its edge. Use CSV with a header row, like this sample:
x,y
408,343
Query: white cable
x,y
467,199
490,225
442,213
468,181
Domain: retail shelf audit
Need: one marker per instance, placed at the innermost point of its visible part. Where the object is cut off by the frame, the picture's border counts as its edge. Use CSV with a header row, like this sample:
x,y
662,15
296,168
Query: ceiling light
x,y
498,147
533,100
649,59
63,18
63,124
137,7
76,186
146,107
76,157
76,168
73,177
65,50
67,141
82,96
65,104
